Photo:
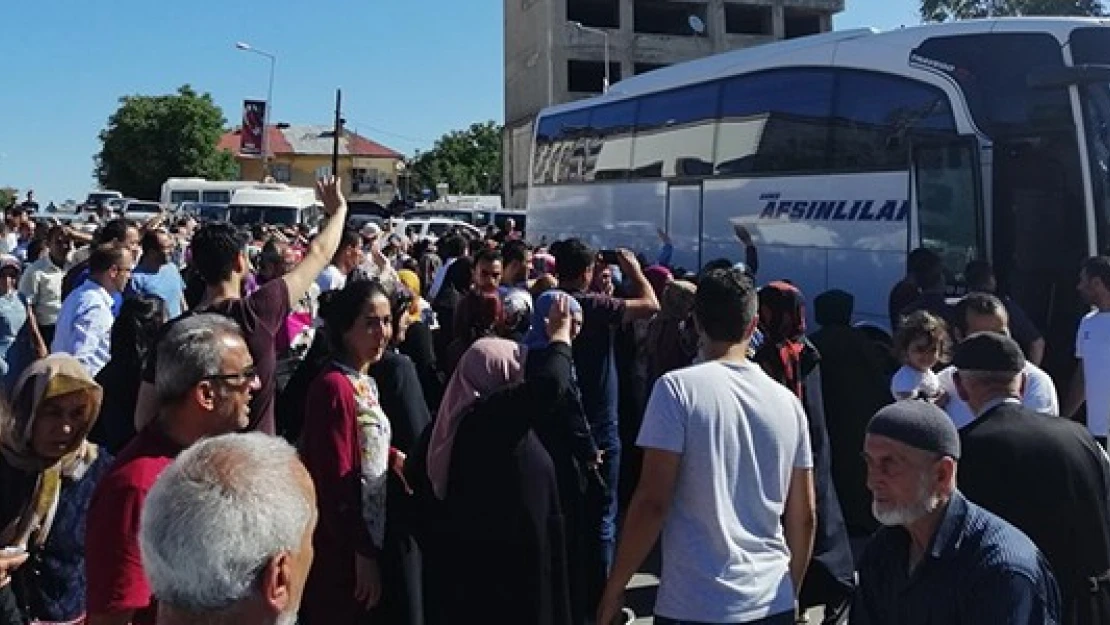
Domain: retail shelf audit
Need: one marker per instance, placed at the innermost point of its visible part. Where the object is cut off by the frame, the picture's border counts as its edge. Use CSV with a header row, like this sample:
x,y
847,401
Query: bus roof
x,y
814,50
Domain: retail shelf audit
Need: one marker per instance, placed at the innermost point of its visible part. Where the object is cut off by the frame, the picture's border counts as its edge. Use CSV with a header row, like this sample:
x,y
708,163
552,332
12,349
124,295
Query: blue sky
x,y
410,71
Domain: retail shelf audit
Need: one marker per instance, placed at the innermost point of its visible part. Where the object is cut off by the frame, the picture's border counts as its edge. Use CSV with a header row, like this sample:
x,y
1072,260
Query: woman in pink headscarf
x,y
501,544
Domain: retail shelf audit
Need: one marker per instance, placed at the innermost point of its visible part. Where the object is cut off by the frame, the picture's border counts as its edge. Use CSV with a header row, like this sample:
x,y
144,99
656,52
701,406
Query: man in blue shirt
x,y
940,559
156,275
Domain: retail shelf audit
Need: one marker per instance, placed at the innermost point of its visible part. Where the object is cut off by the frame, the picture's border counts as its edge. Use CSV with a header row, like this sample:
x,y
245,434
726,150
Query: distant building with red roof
x,y
299,155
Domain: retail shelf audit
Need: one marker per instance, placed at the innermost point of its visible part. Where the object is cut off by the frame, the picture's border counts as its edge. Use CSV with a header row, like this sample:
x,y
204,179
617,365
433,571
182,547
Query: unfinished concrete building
x,y
550,59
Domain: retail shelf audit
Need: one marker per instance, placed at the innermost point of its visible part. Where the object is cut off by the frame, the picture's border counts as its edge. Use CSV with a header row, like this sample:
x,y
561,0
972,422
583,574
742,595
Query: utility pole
x,y
335,135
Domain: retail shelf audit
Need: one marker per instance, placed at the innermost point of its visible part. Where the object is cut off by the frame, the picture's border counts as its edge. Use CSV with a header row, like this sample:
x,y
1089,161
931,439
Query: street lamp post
x,y
246,47
605,36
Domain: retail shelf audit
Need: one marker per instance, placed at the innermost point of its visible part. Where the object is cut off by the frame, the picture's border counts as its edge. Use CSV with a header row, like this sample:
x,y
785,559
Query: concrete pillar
x,y
778,20
715,24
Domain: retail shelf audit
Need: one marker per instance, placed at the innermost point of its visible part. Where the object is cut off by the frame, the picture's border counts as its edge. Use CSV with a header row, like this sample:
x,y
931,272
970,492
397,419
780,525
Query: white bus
x,y
984,139
178,190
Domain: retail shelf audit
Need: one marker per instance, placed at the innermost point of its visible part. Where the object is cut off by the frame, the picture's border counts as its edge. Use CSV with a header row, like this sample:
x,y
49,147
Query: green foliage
x,y
468,160
152,138
945,10
7,194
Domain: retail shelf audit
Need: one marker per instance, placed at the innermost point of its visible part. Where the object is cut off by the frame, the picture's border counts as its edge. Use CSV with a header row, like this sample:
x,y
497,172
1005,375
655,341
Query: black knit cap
x,y
989,351
919,424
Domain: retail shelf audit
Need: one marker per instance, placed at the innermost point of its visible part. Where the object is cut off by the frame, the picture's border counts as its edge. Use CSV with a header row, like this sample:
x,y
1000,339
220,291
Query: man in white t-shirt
x,y
727,478
1092,347
347,257
983,312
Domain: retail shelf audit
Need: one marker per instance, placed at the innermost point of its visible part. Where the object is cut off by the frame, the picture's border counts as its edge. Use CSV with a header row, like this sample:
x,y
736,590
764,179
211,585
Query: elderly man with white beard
x,y
940,558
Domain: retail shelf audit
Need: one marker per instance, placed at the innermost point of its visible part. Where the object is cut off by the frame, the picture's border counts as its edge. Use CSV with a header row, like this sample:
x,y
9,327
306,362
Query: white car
x,y
140,211
434,228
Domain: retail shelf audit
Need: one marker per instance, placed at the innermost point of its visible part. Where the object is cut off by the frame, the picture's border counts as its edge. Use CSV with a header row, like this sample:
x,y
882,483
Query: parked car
x,y
435,227
141,211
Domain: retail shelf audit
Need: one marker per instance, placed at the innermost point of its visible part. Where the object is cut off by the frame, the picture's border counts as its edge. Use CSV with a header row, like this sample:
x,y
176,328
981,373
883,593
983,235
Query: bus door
x,y
684,224
946,203
1039,235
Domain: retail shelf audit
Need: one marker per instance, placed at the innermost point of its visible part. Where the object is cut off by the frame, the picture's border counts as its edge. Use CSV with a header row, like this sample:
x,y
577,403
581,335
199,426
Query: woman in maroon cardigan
x,y
345,443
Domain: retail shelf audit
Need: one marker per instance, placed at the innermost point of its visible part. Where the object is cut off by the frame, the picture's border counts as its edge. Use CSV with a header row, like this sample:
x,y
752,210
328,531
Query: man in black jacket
x,y
1045,475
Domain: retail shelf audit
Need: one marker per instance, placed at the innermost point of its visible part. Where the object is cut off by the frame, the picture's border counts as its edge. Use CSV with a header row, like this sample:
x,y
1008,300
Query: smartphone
x,y
609,257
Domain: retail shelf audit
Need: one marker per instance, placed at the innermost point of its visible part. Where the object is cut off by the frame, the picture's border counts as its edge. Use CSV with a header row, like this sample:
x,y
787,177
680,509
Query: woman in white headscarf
x,y
48,471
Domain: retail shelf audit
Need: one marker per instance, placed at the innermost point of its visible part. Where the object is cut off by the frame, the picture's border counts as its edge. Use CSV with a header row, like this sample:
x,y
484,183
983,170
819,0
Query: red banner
x,y
254,120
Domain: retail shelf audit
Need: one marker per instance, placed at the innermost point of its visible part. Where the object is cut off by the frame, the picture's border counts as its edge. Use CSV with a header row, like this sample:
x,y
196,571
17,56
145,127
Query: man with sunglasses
x,y
204,383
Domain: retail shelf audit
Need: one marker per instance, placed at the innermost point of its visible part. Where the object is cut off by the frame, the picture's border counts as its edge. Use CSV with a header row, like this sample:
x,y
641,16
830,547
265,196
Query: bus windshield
x,y
1091,46
271,215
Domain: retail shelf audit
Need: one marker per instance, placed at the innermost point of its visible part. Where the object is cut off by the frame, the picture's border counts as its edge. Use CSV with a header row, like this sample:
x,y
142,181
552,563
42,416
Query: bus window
x,y
875,115
991,70
177,197
216,197
568,147
948,206
611,142
676,129
775,122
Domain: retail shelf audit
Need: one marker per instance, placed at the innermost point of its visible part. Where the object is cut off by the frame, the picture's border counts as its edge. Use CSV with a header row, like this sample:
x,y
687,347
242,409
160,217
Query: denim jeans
x,y
601,509
785,618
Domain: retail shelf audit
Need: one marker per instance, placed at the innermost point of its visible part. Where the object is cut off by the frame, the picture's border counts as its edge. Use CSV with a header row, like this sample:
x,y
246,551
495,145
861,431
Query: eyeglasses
x,y
244,377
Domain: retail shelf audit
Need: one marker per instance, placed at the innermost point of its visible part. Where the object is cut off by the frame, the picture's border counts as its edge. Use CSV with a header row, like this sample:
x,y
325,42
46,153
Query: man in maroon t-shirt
x,y
206,377
219,253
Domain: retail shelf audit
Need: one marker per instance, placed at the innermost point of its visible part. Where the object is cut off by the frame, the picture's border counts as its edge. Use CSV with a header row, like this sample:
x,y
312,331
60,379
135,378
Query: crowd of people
x,y
207,424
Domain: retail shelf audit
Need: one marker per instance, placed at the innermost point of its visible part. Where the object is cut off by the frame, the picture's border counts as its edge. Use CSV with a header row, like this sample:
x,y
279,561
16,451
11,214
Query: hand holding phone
x,y
609,257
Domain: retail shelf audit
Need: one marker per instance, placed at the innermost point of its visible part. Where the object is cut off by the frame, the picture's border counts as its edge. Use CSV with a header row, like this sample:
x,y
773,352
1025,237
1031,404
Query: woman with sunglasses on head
x,y
345,444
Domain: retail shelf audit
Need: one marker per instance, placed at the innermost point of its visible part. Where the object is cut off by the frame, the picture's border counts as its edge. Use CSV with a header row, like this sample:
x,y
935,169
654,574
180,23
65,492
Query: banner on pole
x,y
254,120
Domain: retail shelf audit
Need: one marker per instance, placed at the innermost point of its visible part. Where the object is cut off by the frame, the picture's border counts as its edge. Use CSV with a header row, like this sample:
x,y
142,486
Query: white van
x,y
275,205
178,190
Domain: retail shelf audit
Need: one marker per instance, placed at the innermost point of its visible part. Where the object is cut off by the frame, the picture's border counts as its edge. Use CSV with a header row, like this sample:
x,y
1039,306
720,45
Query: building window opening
x,y
748,20
588,76
800,23
595,13
664,17
643,68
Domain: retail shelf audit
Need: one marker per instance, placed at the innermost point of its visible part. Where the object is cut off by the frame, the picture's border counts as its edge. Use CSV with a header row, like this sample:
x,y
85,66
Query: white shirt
x,y
1092,346
8,243
740,436
331,279
84,327
1039,394
41,284
909,383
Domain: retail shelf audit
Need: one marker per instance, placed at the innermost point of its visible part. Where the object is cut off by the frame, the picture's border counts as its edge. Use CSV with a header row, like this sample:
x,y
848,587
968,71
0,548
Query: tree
x,y
945,10
467,160
7,195
152,138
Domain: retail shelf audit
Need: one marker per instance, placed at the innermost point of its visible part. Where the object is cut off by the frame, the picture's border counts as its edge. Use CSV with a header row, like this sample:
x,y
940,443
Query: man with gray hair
x,y
205,380
940,558
226,533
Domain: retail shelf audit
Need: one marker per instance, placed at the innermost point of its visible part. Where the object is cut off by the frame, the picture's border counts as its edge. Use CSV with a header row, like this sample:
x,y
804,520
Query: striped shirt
x,y
978,570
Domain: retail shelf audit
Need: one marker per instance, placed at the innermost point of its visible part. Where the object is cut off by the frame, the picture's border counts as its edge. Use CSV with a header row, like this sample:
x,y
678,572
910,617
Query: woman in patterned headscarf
x,y
48,471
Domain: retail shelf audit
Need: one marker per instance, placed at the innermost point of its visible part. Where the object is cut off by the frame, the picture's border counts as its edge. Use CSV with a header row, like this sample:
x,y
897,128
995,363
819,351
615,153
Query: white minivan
x,y
274,205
